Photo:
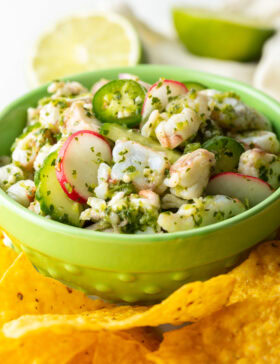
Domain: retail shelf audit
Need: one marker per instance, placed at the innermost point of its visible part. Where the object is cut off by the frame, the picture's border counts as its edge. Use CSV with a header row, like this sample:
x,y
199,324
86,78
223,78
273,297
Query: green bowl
x,y
136,268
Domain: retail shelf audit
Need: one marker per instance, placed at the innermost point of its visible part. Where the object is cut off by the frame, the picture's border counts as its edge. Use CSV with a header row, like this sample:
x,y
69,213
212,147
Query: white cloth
x,y
265,75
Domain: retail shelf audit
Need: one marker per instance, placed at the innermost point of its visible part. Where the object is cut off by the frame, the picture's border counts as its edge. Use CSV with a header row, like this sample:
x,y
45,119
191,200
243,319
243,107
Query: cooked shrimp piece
x,y
77,117
257,163
263,139
9,175
50,116
23,192
61,88
28,147
33,115
130,76
178,128
46,150
138,164
148,129
151,197
124,213
36,208
189,175
103,178
170,201
98,85
232,114
192,100
96,211
203,211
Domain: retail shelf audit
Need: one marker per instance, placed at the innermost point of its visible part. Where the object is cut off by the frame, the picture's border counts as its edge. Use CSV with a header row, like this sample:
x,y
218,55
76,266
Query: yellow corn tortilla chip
x,y
25,291
50,348
85,356
75,347
145,339
113,349
259,275
7,256
246,332
190,303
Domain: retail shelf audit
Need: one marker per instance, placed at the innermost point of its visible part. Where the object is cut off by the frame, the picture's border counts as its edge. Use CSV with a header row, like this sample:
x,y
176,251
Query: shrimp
x,y
148,129
77,117
170,201
50,116
33,115
46,150
150,197
36,208
27,147
23,192
60,89
232,114
257,163
203,211
97,85
195,101
138,164
124,213
9,175
263,139
103,177
178,128
189,175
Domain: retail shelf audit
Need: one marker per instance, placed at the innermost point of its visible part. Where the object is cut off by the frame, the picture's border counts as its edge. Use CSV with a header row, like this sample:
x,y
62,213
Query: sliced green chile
x,y
227,153
119,101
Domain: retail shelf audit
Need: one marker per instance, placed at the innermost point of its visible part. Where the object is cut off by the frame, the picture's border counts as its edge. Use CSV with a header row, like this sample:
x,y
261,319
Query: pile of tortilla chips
x,y
235,318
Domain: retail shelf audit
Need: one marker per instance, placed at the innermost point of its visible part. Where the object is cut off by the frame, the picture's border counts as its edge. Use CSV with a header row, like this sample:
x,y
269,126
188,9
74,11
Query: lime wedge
x,y
210,34
84,43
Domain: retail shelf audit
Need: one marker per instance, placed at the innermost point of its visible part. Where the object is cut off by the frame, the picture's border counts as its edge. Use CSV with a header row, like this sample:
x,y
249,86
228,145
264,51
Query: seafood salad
x,y
130,157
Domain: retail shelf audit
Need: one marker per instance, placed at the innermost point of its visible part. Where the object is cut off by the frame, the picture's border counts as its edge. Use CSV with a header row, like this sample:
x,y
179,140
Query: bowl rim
x,y
59,227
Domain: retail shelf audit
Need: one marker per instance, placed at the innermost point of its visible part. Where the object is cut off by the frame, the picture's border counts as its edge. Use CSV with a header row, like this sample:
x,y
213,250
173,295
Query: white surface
x,y
21,21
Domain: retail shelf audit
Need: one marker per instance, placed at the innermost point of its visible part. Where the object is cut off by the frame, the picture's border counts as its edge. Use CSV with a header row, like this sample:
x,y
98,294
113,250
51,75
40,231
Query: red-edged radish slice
x,y
78,162
160,94
236,185
129,76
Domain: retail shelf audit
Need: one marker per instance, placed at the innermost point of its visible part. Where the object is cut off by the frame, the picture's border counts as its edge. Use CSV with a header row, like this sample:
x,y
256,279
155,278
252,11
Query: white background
x,y
22,21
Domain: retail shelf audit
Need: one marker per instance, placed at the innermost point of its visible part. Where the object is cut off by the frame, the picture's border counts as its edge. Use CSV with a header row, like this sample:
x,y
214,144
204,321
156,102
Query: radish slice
x,y
160,94
246,188
78,162
129,76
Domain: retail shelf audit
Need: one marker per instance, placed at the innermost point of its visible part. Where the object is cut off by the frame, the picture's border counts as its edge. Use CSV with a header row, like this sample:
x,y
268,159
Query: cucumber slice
x,y
115,132
119,101
52,198
227,153
194,86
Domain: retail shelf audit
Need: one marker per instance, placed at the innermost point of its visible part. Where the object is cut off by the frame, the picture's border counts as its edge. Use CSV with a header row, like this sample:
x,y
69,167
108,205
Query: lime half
x,y
211,34
84,43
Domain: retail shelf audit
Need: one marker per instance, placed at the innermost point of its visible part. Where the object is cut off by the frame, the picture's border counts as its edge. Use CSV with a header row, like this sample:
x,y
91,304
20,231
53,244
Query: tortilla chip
x,y
7,256
246,332
85,356
190,303
25,291
49,348
112,348
145,339
259,275
76,347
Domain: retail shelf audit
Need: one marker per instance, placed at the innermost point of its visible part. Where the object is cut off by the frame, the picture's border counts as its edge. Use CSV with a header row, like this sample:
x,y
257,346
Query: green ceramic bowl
x,y
136,268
